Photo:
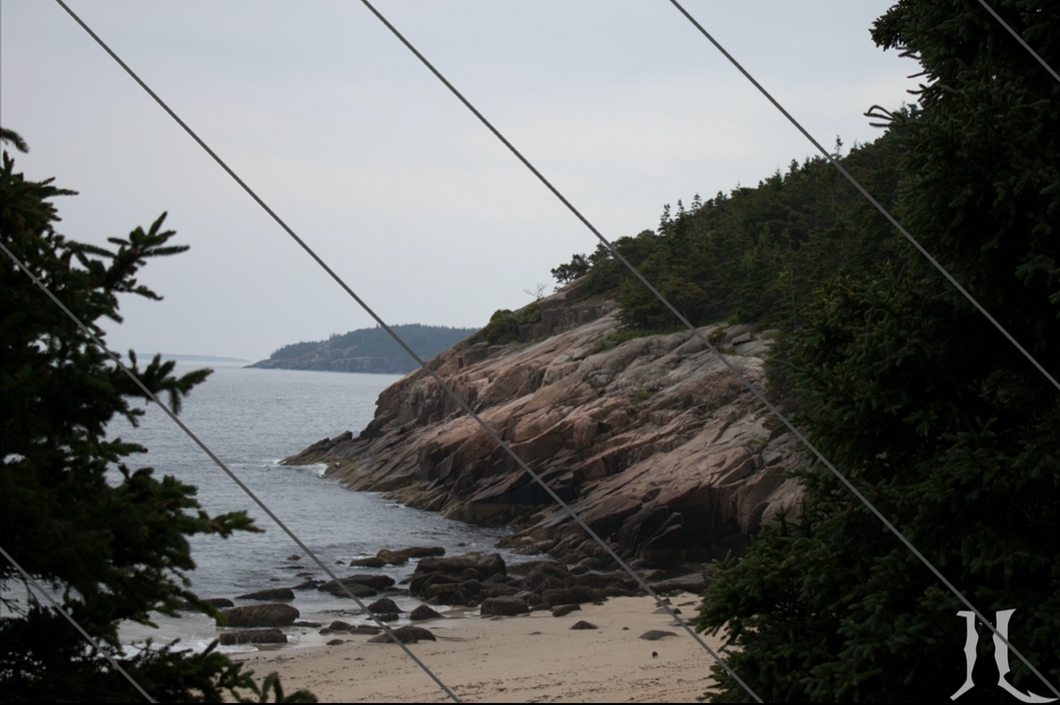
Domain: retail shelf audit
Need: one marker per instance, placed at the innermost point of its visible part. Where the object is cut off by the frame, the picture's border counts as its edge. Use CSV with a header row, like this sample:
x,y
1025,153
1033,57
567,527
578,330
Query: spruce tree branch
x,y
62,610
1019,39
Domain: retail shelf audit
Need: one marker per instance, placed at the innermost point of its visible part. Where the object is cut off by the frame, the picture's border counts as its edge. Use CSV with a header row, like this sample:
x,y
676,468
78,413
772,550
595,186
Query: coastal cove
x,y
251,419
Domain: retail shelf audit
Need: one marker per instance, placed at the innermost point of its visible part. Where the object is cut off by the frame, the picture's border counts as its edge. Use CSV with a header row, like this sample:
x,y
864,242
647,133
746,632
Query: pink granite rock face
x,y
654,443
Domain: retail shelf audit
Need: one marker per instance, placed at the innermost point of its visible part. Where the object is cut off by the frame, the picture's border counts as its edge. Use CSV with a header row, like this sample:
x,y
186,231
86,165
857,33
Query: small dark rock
x,y
294,557
408,634
308,585
655,635
423,612
336,642
366,629
220,602
383,606
373,562
693,582
583,625
339,625
268,615
563,610
311,625
253,636
271,595
422,551
570,596
392,557
505,606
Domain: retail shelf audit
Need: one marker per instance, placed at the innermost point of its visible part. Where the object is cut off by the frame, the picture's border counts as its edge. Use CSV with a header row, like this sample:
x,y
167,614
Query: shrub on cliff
x,y
929,411
109,540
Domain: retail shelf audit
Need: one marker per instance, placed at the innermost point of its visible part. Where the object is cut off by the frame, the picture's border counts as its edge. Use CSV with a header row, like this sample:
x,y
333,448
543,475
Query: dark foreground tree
x,y
943,425
113,546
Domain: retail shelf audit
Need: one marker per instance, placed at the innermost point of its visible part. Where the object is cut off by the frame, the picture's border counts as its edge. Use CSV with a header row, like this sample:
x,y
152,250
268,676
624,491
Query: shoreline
x,y
526,658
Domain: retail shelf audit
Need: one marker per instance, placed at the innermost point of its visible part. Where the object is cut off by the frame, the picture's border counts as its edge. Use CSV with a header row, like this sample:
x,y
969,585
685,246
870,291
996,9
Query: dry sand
x,y
529,658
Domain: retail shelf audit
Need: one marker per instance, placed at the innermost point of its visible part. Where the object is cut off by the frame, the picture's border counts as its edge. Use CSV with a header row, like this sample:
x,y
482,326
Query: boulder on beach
x,y
564,610
360,585
584,625
423,612
422,551
383,606
506,606
693,582
655,635
267,615
408,634
484,564
570,596
366,629
253,636
371,562
392,557
270,595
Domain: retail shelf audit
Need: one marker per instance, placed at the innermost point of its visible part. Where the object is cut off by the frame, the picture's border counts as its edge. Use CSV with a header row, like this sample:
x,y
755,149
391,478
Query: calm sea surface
x,y
251,419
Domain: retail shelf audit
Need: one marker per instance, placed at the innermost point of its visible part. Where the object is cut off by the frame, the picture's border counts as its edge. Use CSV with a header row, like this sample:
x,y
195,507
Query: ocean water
x,y
251,419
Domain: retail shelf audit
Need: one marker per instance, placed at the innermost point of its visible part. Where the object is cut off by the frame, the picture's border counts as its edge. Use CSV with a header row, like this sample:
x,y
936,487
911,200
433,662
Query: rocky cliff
x,y
652,441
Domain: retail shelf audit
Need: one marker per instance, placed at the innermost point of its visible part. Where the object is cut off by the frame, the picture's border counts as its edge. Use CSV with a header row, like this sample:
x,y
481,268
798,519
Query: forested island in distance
x,y
367,350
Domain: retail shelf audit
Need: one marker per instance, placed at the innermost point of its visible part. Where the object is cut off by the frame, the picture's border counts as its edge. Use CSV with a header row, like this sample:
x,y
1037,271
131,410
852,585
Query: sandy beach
x,y
528,658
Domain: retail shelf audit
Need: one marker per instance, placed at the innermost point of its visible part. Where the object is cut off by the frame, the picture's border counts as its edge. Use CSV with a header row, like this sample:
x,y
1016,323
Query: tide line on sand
x,y
527,658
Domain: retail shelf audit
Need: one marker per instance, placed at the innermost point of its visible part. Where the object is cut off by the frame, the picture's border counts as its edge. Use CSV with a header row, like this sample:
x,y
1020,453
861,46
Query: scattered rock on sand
x,y
408,634
693,582
339,625
268,615
336,642
506,606
655,635
270,595
584,625
384,606
369,629
253,636
563,610
423,612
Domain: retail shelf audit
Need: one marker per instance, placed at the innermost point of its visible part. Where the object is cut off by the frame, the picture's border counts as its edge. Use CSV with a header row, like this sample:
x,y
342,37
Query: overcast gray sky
x,y
623,105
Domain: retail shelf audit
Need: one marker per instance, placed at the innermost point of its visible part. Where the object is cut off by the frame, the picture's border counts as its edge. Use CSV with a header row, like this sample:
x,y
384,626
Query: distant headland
x,y
201,358
367,350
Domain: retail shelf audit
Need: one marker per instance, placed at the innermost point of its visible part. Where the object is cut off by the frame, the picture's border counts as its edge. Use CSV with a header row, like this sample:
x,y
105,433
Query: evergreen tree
x,y
113,545
943,425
